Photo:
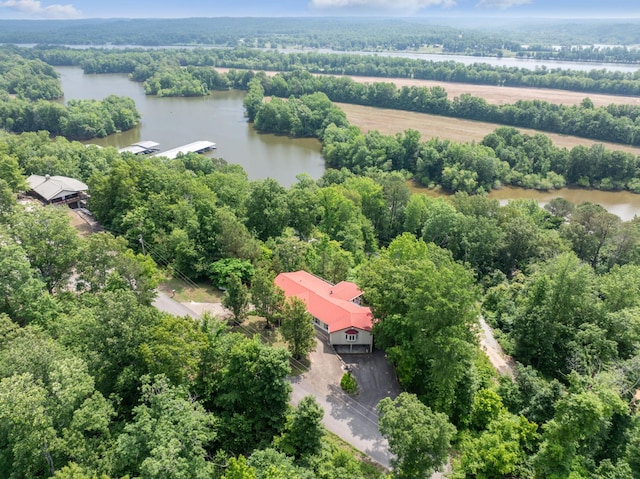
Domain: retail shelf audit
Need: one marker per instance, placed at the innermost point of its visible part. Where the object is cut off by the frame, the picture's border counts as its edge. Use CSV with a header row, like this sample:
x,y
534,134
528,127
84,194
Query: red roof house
x,y
336,309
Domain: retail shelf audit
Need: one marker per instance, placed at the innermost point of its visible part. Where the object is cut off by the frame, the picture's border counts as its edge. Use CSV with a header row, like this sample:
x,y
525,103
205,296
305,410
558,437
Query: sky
x,y
33,9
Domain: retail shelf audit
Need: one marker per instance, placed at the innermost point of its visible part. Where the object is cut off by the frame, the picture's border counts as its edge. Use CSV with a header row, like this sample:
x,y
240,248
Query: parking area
x,y
353,418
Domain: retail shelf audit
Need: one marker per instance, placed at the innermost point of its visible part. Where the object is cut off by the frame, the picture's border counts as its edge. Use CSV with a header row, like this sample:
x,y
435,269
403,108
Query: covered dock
x,y
141,148
195,147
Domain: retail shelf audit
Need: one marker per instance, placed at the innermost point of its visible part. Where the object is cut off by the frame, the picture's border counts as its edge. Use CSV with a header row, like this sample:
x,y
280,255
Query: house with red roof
x,y
336,309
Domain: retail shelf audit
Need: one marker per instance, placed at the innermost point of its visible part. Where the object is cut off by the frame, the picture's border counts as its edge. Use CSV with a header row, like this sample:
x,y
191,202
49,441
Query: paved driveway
x,y
354,419
167,304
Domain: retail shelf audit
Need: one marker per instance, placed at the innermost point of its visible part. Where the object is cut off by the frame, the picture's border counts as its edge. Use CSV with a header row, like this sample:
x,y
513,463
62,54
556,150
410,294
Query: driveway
x,y
354,419
503,364
165,303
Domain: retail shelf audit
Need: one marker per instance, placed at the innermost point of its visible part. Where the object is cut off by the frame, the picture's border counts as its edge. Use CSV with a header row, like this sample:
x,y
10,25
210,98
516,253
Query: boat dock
x,y
141,148
195,147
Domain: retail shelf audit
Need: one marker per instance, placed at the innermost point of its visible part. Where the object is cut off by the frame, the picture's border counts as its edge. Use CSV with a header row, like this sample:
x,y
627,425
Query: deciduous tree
x,y
419,438
168,436
297,327
425,306
303,433
236,298
266,297
50,243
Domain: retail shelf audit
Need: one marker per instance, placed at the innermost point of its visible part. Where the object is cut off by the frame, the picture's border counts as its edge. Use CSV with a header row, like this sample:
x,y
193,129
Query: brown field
x,y
390,122
501,95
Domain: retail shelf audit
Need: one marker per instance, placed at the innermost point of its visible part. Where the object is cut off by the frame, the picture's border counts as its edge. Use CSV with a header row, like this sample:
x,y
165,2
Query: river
x,y
527,63
219,117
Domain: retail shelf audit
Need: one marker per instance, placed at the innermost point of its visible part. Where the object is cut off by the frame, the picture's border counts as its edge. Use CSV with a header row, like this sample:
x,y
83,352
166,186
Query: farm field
x,y
498,95
390,122
502,95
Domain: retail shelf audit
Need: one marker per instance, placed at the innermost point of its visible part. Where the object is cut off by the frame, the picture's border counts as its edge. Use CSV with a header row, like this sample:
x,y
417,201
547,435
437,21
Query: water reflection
x,y
218,117
622,203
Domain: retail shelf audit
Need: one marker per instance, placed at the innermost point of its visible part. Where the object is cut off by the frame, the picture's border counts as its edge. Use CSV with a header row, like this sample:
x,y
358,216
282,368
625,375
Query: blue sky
x,y
33,9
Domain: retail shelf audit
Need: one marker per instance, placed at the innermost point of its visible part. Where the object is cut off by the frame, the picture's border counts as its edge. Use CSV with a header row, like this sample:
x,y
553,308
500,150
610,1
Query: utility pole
x,y
142,243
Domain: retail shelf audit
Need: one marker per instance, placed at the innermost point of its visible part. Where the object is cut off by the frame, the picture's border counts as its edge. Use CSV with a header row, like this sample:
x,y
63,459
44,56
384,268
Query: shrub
x,y
348,383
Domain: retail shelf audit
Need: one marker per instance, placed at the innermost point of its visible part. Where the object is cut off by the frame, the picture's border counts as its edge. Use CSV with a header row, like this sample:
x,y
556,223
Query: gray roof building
x,y
57,189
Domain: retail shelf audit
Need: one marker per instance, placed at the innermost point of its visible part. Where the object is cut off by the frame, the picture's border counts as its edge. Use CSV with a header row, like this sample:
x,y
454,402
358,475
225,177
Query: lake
x,y
219,117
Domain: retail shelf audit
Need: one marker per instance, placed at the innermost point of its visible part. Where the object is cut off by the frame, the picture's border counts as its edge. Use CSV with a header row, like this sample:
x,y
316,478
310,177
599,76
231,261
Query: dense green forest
x,y
95,382
144,63
584,40
78,119
504,157
28,79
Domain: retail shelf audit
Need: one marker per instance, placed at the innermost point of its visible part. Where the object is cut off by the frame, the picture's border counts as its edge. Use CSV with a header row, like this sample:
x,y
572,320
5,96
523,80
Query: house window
x,y
320,324
351,335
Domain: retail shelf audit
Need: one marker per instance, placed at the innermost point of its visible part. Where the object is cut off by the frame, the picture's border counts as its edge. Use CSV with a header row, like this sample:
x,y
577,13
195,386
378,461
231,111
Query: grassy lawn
x,y
202,292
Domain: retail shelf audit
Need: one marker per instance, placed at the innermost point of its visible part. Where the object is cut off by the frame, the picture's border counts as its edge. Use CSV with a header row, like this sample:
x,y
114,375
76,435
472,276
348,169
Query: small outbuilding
x,y
58,190
336,309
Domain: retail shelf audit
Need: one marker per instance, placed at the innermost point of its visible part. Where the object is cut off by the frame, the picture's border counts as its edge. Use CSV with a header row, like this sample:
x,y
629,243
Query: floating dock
x,y
141,148
195,147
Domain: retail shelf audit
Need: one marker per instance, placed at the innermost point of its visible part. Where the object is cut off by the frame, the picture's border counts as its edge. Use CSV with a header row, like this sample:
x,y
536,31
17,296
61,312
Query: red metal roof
x,y
346,290
326,301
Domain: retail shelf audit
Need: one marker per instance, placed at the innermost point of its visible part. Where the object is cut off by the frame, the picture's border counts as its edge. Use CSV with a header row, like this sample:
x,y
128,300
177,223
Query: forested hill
x,y
584,40
339,33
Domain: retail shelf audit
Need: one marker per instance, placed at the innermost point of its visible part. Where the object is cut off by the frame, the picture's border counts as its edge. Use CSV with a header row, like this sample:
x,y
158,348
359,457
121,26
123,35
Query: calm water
x,y
219,117
622,203
527,63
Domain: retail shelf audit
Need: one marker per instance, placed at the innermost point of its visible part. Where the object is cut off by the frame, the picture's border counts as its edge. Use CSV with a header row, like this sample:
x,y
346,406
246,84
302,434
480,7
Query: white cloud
x,y
34,9
503,4
406,5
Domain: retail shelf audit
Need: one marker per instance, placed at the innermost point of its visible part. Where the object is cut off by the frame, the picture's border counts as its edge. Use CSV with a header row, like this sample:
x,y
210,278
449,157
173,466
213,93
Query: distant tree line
x,y
504,157
610,41
614,123
581,53
335,33
150,61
